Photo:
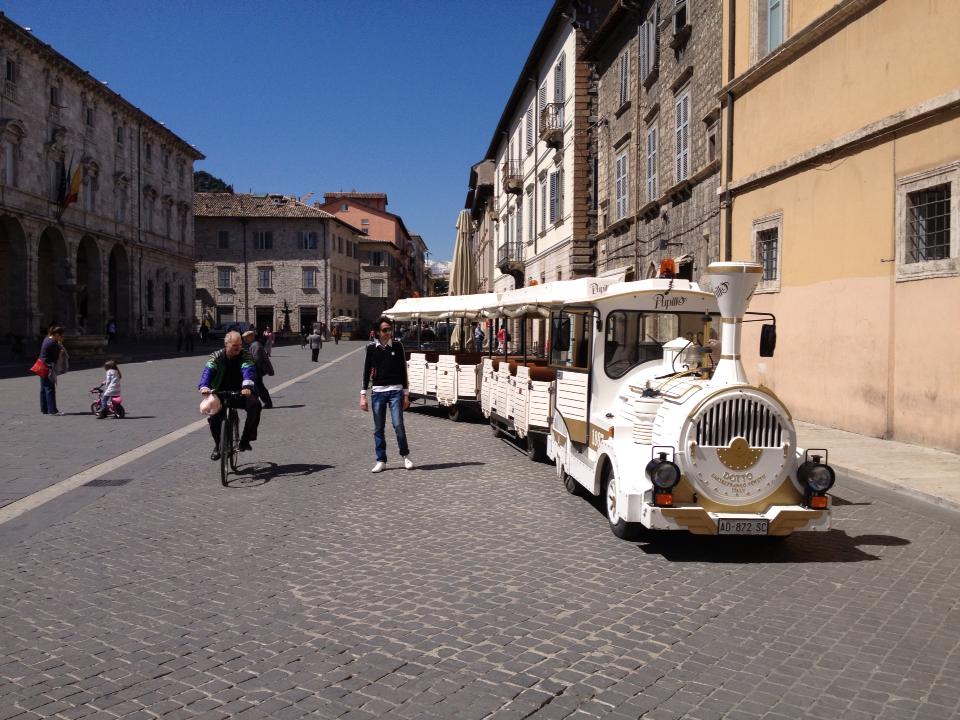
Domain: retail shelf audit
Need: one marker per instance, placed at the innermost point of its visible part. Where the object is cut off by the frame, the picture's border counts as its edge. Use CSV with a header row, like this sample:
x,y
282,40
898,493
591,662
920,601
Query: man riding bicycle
x,y
232,369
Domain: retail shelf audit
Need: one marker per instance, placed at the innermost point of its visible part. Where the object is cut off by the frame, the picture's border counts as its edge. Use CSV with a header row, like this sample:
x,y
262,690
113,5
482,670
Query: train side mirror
x,y
768,340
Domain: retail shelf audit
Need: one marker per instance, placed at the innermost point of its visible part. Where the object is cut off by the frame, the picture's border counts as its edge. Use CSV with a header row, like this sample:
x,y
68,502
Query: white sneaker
x,y
407,462
379,466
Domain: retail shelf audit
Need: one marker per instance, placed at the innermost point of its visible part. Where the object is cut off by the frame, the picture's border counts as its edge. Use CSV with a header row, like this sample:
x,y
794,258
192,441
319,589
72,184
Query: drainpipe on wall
x,y
728,160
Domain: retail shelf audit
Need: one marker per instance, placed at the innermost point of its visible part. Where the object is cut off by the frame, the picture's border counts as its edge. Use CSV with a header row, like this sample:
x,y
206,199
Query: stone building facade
x,y
124,248
273,260
658,142
483,220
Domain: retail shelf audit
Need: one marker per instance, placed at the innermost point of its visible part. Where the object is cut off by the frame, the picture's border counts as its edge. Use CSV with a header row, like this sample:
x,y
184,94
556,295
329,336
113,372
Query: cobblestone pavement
x,y
471,587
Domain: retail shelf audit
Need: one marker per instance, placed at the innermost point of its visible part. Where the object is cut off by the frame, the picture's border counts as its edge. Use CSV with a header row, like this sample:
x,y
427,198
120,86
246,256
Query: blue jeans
x,y
378,404
48,396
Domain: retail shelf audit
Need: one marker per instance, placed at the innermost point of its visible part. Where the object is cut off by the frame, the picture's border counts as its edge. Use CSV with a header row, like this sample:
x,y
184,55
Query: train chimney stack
x,y
732,283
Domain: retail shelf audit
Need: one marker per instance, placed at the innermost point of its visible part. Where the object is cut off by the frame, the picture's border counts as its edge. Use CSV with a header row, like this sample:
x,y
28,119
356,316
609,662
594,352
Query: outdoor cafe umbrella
x,y
463,271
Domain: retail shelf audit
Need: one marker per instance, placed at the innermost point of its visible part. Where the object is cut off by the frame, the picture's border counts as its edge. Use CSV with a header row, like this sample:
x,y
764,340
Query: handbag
x,y
40,368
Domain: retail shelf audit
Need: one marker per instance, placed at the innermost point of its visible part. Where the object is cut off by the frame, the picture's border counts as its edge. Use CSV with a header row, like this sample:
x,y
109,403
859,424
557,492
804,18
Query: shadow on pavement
x,y
839,501
833,546
444,466
257,474
284,407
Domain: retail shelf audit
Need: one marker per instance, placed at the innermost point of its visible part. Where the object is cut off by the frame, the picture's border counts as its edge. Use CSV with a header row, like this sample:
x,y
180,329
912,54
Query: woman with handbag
x,y
50,356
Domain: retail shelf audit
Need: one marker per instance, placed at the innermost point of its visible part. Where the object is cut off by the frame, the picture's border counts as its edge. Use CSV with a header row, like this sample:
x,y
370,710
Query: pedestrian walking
x,y
262,364
477,337
385,371
336,334
204,329
51,354
315,342
268,341
303,338
189,330
111,331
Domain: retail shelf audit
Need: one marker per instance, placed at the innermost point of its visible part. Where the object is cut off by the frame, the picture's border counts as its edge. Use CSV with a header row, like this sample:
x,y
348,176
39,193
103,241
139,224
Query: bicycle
x,y
229,435
114,405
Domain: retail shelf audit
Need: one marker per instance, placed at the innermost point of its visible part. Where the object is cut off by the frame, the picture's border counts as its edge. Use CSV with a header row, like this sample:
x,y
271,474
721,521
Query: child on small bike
x,y
111,386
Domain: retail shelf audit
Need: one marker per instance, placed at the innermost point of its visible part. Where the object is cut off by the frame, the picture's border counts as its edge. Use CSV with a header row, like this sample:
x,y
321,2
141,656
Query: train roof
x,y
651,294
540,299
439,307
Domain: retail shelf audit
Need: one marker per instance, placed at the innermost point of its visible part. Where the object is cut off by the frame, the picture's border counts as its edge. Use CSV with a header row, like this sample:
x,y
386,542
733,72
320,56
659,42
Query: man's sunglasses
x,y
386,329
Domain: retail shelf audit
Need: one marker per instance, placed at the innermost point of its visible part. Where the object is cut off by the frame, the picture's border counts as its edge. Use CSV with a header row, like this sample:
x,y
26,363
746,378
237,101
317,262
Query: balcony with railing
x,y
551,124
511,176
510,260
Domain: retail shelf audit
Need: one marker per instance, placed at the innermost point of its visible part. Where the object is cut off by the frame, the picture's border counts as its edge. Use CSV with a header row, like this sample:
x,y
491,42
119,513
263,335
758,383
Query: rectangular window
x,y
182,297
378,288
224,278
148,153
55,96
12,74
928,224
149,295
767,247
774,24
767,253
223,239
625,77
265,278
263,240
339,244
89,117
682,137
652,189
349,286
120,135
9,163
622,187
307,240
166,297
928,215
90,193
309,278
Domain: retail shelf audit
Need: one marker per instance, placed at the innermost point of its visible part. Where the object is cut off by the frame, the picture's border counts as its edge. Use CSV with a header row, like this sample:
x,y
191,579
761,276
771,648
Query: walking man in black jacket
x,y
262,362
385,371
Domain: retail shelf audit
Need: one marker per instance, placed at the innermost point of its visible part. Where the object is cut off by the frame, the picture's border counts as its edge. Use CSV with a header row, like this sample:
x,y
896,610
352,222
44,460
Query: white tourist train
x,y
625,388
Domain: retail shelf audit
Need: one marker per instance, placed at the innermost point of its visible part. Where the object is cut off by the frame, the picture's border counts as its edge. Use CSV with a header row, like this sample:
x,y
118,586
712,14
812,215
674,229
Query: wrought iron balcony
x,y
511,175
510,260
551,124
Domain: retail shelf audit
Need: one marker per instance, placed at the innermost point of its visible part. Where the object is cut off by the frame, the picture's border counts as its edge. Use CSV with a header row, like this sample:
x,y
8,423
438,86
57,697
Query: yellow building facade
x,y
841,174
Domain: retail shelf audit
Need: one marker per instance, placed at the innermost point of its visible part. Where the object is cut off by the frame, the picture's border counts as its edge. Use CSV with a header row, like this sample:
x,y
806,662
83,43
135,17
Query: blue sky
x,y
296,97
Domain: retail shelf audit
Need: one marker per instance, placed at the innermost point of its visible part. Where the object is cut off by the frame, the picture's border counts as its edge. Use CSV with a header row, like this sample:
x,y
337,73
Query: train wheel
x,y
569,484
453,412
535,450
618,526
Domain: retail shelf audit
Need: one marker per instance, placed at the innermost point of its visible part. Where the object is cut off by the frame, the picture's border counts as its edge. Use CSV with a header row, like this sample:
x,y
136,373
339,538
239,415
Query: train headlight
x,y
662,473
818,477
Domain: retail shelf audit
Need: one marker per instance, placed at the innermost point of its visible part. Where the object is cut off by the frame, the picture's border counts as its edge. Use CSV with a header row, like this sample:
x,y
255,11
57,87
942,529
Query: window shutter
x,y
559,80
541,104
624,76
652,163
543,204
644,50
682,138
529,128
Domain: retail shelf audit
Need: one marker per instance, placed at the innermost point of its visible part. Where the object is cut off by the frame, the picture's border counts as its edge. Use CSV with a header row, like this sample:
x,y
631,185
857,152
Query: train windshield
x,y
634,337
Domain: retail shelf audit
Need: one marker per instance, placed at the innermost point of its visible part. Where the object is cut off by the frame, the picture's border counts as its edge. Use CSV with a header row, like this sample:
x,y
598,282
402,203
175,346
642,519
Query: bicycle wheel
x,y
225,450
235,426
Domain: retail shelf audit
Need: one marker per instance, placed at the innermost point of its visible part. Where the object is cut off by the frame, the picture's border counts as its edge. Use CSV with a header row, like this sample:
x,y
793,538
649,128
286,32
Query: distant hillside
x,y
205,182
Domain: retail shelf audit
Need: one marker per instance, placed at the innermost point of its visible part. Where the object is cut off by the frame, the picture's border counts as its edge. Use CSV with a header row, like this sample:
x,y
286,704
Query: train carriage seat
x,y
540,373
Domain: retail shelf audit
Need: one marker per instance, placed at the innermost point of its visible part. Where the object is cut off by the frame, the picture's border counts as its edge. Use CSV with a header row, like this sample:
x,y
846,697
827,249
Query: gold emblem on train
x,y
739,456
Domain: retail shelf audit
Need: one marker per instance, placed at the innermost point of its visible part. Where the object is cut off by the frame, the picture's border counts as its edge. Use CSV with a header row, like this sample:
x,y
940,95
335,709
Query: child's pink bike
x,y
114,405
